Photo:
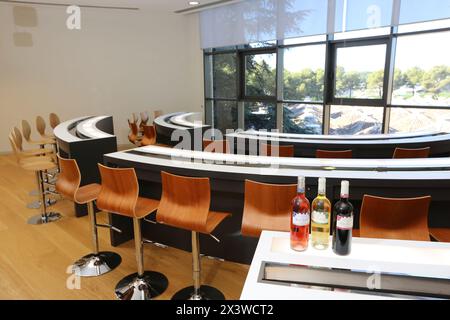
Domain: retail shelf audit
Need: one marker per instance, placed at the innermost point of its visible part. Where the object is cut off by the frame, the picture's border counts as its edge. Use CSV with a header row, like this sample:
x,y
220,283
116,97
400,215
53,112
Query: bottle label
x,y
320,217
300,219
344,223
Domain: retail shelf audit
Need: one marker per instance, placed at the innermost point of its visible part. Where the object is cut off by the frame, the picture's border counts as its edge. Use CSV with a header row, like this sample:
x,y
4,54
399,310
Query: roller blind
x,y
264,20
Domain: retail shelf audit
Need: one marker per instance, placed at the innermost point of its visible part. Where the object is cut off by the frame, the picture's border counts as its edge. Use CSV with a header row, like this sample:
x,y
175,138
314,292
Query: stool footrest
x,y
108,226
156,244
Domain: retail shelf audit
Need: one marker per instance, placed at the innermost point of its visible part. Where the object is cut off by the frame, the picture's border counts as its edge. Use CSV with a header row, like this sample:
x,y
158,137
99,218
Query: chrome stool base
x,y
39,219
204,293
93,265
146,287
37,204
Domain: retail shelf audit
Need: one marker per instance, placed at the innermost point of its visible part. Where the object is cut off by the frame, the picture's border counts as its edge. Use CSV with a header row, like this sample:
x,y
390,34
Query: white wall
x,y
118,63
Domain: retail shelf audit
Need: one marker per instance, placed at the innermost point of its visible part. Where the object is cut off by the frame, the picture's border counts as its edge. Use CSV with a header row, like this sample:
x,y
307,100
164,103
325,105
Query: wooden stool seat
x,y
149,135
395,218
214,219
88,193
38,165
440,234
144,206
279,151
403,153
266,207
341,154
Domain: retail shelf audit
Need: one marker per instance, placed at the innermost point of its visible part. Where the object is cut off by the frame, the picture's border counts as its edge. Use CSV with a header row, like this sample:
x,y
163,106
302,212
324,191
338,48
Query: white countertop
x,y
341,137
88,128
340,141
86,125
309,167
190,120
416,258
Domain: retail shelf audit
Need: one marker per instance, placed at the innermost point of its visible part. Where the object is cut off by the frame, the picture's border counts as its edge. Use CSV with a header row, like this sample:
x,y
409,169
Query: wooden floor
x,y
34,260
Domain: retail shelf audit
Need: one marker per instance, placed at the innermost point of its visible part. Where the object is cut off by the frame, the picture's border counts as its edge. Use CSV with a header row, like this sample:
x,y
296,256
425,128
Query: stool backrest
x,y
219,146
184,202
40,125
402,153
342,154
267,207
54,120
26,130
144,119
280,151
14,147
69,178
17,136
120,191
132,136
149,136
388,218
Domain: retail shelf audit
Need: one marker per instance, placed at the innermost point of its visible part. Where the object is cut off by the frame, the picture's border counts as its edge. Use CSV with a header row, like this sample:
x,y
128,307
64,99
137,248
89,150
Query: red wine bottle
x,y
300,219
342,223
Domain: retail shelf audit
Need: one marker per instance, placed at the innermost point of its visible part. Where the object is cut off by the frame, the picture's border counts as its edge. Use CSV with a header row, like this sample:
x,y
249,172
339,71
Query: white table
x,y
417,258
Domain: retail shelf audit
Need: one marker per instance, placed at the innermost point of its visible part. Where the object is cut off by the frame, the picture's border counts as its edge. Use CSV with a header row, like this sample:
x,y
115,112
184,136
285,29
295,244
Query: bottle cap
x,y
301,184
344,189
322,185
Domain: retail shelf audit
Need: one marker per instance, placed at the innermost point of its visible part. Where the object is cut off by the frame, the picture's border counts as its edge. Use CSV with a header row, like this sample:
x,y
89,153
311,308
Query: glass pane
x,y
302,118
362,33
208,60
225,115
360,72
259,115
301,40
304,73
414,119
424,26
260,75
356,120
225,76
422,70
362,14
420,10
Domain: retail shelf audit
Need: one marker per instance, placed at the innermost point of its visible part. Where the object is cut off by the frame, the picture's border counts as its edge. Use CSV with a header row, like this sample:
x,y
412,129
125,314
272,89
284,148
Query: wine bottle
x,y
343,223
320,218
300,218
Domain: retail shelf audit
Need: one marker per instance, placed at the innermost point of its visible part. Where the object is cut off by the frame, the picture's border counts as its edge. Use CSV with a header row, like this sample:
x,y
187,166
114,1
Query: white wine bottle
x,y
320,218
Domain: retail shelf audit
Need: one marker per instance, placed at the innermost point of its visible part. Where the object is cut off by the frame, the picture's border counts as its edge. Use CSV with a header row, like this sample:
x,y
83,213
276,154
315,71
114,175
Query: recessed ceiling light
x,y
194,3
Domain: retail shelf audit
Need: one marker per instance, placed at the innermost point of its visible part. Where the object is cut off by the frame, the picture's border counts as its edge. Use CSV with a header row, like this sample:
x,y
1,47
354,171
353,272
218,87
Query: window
x,y
260,75
419,119
259,115
422,70
225,115
303,75
225,75
356,120
302,118
359,72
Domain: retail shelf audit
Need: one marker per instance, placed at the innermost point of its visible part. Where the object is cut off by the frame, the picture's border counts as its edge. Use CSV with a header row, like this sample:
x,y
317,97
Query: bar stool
x,y
279,151
38,165
149,137
144,119
389,218
266,207
68,185
402,153
327,154
16,135
219,146
185,204
120,195
133,136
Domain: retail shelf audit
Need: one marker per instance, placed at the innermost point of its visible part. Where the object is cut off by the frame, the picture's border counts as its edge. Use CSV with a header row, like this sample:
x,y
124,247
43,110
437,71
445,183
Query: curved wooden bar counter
x,y
381,177
86,140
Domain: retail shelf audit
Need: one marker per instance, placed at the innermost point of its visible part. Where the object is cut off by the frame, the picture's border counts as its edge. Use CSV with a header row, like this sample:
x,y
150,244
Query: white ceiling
x,y
166,5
